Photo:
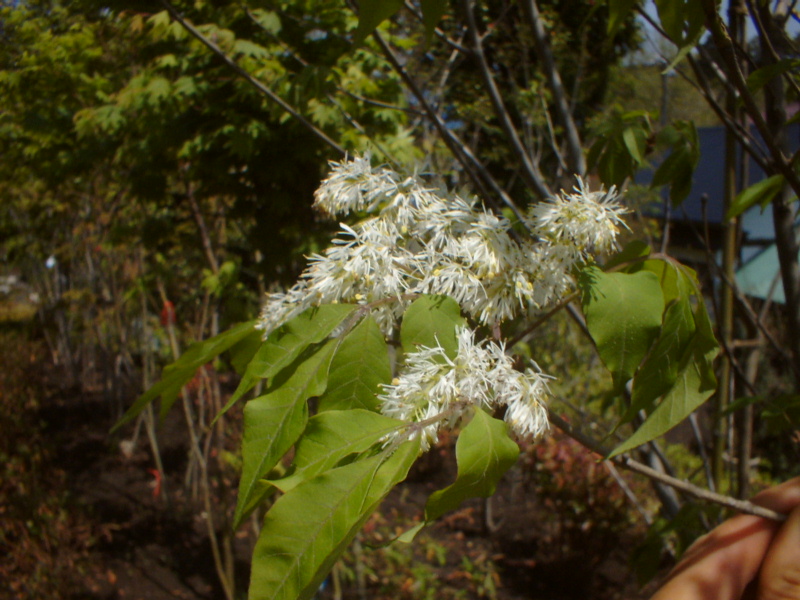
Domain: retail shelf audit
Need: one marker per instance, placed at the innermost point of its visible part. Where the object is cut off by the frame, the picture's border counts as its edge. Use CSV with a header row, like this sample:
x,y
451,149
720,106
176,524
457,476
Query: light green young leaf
x,y
677,281
307,529
623,313
360,365
270,21
274,421
331,436
484,453
179,373
694,384
431,321
759,193
286,343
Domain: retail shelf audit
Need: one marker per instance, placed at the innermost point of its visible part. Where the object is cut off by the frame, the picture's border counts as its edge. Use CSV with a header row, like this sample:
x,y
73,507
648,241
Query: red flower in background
x,y
168,314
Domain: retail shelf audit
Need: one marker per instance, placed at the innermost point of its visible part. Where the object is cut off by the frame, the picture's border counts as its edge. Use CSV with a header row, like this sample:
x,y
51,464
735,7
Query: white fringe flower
x,y
421,242
418,240
589,221
432,385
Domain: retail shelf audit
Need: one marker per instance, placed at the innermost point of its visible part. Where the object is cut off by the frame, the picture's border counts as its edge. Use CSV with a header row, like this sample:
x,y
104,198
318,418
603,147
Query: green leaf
x,y
243,351
332,436
682,20
761,77
432,12
372,13
782,414
676,280
631,253
360,365
618,13
274,421
484,453
307,529
431,321
634,142
761,193
659,371
694,384
623,313
249,49
286,343
270,21
179,373
678,168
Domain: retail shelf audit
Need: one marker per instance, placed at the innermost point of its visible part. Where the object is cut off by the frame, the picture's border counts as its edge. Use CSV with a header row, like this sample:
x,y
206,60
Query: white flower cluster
x,y
418,241
414,240
482,374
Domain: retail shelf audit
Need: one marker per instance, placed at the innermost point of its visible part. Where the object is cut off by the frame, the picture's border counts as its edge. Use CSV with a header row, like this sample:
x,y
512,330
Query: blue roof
x,y
759,275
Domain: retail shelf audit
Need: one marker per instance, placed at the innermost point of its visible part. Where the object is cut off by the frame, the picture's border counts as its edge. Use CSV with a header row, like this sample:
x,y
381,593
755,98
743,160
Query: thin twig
x,y
250,79
626,462
577,162
530,171
477,172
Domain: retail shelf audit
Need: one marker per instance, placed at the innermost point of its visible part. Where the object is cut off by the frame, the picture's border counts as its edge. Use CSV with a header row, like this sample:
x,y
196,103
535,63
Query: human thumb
x,y
780,571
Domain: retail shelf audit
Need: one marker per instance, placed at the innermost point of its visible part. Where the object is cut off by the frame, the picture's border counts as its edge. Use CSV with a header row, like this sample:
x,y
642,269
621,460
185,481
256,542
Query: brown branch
x,y
530,171
723,42
249,78
577,162
480,176
630,464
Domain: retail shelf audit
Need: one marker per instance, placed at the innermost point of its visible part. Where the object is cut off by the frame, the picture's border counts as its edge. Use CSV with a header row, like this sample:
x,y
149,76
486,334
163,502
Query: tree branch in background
x,y
727,50
576,162
480,176
530,171
250,79
632,465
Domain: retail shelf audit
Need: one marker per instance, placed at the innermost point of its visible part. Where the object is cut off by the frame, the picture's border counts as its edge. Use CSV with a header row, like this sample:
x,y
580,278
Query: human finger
x,y
721,564
780,574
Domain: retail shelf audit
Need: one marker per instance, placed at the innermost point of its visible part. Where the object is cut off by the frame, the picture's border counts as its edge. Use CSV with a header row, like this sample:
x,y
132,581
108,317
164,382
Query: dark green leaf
x,y
660,369
630,253
618,13
242,352
694,384
179,373
678,168
484,453
761,77
432,12
372,13
782,414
